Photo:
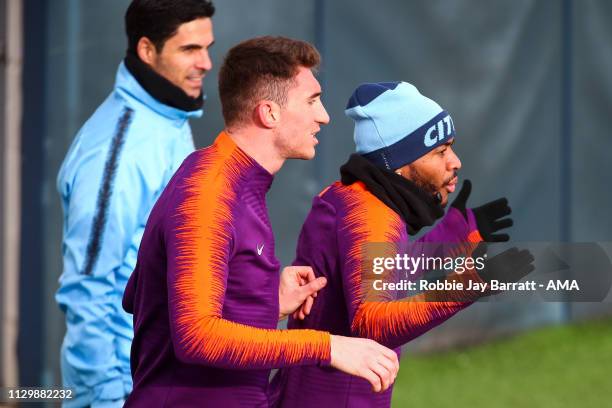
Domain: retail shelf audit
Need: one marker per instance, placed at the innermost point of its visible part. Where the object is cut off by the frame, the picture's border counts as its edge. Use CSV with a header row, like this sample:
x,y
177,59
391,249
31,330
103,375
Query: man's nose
x,y
204,62
323,117
454,162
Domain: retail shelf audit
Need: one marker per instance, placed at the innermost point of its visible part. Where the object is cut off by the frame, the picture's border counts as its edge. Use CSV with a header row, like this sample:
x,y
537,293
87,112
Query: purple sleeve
x,y
453,228
198,253
380,316
317,245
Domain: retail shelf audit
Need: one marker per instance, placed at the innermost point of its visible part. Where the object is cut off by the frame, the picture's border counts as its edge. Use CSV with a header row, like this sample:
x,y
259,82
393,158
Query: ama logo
x,y
439,131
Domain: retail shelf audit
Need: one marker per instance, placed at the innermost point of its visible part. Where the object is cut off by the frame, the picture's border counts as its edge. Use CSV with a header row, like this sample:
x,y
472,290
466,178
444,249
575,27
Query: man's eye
x,y
442,152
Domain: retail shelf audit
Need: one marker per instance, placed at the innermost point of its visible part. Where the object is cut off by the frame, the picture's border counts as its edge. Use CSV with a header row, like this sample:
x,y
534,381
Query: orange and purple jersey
x,y
343,220
204,292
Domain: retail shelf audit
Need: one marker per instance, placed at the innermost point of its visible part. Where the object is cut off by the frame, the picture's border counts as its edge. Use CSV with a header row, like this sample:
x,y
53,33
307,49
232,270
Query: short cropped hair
x,y
159,20
261,68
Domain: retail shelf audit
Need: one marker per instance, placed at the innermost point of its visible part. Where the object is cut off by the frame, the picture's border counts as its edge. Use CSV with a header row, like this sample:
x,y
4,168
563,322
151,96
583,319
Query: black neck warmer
x,y
159,87
417,207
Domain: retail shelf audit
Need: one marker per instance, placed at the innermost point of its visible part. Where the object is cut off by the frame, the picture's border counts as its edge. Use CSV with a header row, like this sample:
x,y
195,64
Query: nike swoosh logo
x,y
260,249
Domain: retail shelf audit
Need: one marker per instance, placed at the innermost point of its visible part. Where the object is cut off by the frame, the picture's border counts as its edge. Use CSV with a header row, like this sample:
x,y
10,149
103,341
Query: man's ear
x,y
146,50
268,114
404,171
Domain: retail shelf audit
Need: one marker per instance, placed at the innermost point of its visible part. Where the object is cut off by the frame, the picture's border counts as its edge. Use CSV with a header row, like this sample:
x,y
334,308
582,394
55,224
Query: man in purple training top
x,y
398,182
206,294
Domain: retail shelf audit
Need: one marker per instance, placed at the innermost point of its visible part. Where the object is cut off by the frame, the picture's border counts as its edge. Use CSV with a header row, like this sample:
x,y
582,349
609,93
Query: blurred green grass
x,y
561,366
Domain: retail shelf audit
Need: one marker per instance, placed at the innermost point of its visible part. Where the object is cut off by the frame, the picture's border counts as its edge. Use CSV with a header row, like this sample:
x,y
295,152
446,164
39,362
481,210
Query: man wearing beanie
x,y
397,183
115,170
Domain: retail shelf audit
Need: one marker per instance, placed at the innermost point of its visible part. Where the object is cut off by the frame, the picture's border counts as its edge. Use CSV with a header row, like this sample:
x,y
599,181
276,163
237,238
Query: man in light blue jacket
x,y
116,168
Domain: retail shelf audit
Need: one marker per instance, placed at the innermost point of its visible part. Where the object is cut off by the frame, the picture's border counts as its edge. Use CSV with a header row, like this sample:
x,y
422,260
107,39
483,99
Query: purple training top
x,y
343,219
204,292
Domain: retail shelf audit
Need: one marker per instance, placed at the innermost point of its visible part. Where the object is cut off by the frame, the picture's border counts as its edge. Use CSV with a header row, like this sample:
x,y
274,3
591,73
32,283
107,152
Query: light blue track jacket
x,y
116,168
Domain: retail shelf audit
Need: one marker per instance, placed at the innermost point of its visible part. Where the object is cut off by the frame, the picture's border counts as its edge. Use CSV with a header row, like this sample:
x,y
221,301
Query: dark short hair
x,y
159,20
261,68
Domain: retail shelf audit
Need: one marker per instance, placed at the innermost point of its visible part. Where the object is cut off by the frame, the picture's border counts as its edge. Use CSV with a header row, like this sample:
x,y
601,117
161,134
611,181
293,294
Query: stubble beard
x,y
288,150
421,181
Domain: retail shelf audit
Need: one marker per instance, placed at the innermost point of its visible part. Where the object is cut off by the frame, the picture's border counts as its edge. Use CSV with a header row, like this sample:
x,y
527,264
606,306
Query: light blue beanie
x,y
395,124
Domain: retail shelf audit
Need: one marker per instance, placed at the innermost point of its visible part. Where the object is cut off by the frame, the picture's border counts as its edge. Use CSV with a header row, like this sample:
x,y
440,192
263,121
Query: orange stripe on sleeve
x,y
474,236
203,239
375,314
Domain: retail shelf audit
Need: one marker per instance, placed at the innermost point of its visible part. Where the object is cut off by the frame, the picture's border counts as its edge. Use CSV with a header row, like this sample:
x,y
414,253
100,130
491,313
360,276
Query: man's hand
x,y
365,358
297,290
511,265
488,216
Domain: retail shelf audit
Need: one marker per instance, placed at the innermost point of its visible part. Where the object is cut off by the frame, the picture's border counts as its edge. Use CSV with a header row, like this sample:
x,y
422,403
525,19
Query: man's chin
x,y
308,156
304,155
444,199
193,93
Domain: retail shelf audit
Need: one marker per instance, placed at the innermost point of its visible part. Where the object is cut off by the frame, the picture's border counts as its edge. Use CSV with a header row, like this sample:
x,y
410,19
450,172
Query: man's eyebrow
x,y
447,144
315,95
188,47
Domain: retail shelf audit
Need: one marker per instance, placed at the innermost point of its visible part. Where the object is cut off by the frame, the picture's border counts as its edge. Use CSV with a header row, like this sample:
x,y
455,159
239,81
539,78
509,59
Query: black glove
x,y
512,265
488,216
509,266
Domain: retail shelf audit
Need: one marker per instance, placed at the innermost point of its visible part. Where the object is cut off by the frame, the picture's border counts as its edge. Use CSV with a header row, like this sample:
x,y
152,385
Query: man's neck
x,y
259,145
